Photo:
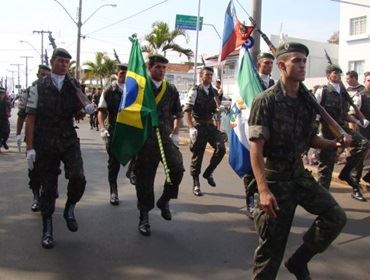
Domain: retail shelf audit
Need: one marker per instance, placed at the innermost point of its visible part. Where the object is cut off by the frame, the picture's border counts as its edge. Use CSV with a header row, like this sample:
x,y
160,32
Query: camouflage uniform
x,y
336,105
5,109
203,106
288,125
109,103
34,183
55,140
147,159
365,109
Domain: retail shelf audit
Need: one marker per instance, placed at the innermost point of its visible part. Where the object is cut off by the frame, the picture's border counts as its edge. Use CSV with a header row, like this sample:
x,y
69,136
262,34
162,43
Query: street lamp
x,y
21,41
79,24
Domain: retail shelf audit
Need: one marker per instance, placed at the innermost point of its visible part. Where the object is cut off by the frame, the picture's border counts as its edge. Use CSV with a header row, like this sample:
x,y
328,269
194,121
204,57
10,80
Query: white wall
x,y
354,47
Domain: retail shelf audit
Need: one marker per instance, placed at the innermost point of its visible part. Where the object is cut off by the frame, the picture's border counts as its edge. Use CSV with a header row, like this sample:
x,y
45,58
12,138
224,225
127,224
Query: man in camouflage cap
x,y
50,134
108,106
281,128
33,175
332,98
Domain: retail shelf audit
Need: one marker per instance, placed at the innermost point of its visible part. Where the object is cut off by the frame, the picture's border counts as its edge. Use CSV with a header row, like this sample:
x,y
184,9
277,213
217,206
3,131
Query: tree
x,y
161,40
72,68
102,68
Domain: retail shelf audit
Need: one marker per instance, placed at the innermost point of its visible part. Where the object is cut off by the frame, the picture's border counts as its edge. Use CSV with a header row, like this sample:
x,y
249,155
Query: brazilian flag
x,y
138,110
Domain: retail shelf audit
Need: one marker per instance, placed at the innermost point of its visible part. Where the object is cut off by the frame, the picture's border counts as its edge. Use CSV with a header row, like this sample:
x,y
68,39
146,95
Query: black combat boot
x,y
114,200
6,147
47,240
35,206
163,204
297,263
196,186
209,177
69,216
356,194
144,226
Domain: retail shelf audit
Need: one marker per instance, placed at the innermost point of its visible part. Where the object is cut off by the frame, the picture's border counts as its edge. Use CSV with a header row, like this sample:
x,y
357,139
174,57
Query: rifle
x,y
334,127
346,95
116,56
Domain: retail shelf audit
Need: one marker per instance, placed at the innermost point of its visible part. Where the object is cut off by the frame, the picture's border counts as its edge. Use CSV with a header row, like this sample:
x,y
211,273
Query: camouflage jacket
x,y
287,124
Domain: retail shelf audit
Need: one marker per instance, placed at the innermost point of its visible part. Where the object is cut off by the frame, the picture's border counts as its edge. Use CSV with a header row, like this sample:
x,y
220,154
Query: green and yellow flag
x,y
138,110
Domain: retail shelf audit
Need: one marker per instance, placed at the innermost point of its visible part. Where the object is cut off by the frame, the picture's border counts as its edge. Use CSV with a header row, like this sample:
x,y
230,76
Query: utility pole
x,y
42,42
196,46
19,80
26,57
257,10
79,25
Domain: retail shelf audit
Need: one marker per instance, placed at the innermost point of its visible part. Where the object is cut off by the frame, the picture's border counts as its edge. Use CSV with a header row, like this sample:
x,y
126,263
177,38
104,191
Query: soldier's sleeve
x,y
260,119
190,100
22,102
176,109
32,100
102,100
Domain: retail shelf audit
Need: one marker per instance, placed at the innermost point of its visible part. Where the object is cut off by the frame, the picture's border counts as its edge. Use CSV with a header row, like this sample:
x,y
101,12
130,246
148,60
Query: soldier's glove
x,y
364,124
104,134
31,157
19,142
90,109
193,132
175,138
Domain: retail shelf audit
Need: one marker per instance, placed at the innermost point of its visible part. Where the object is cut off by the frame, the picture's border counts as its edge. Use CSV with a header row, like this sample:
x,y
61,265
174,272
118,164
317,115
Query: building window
x,y
357,26
357,65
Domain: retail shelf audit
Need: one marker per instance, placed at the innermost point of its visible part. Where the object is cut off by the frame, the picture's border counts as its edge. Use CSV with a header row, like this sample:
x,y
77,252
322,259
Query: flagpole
x,y
163,156
196,46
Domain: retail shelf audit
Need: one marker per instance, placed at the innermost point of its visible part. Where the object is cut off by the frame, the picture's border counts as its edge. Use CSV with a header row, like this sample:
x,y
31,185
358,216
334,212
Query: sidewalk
x,y
184,140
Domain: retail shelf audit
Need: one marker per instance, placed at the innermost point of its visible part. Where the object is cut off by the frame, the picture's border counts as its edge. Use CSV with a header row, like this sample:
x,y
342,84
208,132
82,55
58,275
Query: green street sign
x,y
188,22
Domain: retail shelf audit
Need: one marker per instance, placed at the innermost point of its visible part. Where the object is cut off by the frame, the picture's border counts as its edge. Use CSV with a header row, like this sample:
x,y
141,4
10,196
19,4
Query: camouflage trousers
x,y
113,164
207,133
48,163
146,164
296,189
327,159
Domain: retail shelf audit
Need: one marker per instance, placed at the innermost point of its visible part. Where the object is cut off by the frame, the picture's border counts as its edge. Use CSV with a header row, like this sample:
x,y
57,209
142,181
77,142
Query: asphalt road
x,y
209,237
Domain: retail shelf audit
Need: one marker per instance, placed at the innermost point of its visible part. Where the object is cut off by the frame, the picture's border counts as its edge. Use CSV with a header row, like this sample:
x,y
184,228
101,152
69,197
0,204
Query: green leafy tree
x,y
161,40
101,68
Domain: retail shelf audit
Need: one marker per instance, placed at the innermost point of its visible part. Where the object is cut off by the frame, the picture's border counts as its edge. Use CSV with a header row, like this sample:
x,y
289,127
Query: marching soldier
x,y
51,138
362,100
264,68
5,108
199,109
331,97
281,129
147,159
108,107
33,175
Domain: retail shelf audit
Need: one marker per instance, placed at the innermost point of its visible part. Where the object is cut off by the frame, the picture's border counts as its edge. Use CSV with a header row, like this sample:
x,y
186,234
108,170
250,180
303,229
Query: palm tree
x,y
161,39
102,68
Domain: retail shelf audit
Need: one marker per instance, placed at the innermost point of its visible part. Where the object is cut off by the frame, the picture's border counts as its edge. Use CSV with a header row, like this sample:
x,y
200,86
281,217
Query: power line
x,y
126,18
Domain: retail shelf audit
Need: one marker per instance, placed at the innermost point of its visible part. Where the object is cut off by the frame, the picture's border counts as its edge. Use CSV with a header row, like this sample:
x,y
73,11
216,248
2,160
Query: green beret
x,y
121,67
2,90
61,52
44,67
292,47
265,55
155,58
333,67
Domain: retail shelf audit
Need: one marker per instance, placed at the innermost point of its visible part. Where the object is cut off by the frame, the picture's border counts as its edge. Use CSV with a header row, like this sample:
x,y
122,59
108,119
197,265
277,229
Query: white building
x,y
354,37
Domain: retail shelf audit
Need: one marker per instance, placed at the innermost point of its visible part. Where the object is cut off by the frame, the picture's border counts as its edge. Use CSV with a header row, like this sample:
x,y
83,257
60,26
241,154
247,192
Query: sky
x,y
312,20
